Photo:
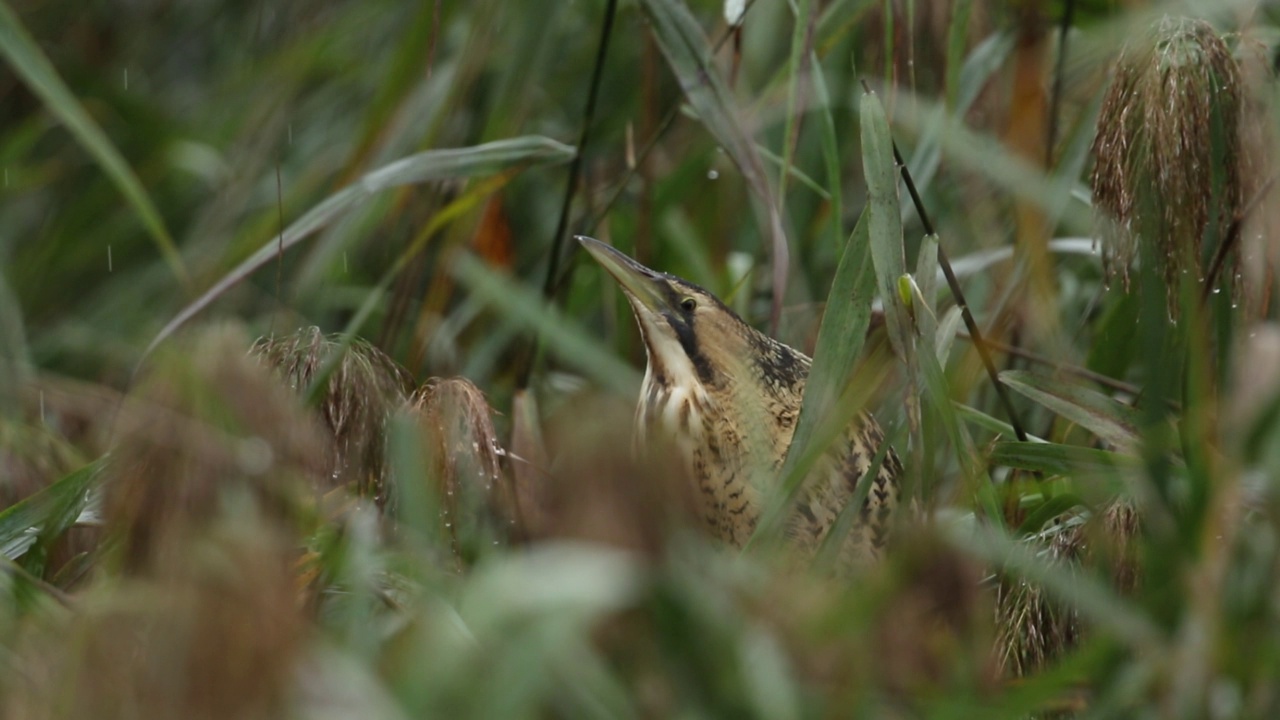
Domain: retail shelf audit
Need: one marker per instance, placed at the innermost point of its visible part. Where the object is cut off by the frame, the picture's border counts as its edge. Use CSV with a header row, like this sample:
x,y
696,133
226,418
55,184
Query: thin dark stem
x,y
1231,239
972,325
280,248
663,126
975,333
571,187
1055,100
432,42
1084,373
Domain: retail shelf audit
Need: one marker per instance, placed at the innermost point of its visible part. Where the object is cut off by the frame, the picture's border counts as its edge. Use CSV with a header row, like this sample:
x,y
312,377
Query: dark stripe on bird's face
x,y
682,324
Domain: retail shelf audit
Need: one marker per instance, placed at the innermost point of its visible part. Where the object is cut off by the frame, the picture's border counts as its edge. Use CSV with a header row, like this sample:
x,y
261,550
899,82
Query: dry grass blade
x,y
217,637
598,492
528,463
206,432
31,456
1168,166
357,401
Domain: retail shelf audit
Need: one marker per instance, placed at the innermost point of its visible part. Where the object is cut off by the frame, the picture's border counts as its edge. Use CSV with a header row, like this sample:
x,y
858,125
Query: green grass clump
x,y
416,494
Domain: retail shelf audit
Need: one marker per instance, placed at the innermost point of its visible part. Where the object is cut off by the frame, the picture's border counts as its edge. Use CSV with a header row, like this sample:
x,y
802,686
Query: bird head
x,y
689,334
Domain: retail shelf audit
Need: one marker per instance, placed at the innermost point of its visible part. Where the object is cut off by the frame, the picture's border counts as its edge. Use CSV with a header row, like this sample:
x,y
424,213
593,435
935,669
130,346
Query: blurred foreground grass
x,y
317,524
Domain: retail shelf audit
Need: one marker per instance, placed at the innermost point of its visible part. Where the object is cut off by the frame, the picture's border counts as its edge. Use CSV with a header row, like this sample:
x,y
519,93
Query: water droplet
x,y
712,175
109,264
126,78
1217,291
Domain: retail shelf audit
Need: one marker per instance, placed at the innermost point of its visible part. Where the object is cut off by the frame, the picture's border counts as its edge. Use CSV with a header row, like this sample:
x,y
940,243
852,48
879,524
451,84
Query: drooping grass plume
x,y
1167,179
206,433
1035,629
455,427
358,399
1032,627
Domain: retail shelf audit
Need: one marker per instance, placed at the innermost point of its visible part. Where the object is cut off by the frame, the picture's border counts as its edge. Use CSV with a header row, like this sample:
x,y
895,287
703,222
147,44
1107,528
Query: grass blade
x,y
422,167
1091,598
26,59
1057,459
884,216
840,339
565,340
46,514
801,42
689,55
1111,421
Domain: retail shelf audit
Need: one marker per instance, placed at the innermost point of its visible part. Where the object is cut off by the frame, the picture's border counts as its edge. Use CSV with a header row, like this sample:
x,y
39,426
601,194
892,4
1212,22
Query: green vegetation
x,y
413,494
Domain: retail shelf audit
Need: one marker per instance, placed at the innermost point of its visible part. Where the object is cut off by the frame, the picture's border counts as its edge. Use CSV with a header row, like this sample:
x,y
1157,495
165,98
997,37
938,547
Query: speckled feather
x,y
729,397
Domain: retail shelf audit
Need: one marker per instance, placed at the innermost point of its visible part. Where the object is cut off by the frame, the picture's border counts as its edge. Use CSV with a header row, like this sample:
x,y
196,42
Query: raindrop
x,y
1217,291
448,524
344,261
42,407
109,267
126,78
712,175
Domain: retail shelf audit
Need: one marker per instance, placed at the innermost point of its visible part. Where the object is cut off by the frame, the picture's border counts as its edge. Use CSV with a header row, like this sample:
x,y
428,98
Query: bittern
x,y
729,396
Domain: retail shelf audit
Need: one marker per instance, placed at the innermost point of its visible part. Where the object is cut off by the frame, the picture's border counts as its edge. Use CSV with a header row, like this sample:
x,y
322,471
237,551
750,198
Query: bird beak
x,y
642,285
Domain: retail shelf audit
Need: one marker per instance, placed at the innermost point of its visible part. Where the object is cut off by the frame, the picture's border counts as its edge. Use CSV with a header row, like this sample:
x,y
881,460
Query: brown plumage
x,y
729,397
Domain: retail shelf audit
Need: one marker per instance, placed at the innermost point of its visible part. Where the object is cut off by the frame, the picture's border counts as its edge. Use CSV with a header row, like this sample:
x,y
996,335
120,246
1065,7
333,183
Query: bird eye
x,y
688,304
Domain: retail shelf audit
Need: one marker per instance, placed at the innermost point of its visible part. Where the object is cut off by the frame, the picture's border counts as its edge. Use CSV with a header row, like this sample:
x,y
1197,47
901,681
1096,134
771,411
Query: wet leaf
x,y
1111,421
48,513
